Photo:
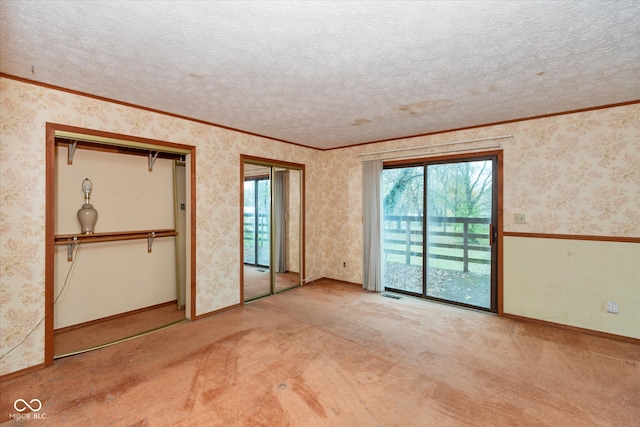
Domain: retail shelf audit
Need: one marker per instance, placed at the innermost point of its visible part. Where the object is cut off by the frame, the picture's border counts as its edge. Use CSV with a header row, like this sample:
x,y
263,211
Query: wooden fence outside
x,y
412,237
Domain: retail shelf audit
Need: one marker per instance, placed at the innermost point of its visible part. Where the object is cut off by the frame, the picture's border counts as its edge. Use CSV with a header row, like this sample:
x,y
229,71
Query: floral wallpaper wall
x,y
569,174
25,110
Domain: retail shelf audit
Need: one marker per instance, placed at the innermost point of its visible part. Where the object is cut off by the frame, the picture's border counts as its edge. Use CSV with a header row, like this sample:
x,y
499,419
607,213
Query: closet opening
x,y
131,272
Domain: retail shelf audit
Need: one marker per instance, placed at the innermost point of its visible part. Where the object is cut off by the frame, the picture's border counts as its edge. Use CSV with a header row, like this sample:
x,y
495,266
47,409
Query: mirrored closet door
x,y
272,227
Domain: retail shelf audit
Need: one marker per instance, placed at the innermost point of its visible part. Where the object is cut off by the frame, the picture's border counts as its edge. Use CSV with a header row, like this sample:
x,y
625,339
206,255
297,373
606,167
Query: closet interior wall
x,y
108,278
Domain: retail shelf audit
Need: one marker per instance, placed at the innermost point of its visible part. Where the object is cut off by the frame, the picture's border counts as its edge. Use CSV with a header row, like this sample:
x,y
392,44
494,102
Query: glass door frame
x,y
273,164
496,233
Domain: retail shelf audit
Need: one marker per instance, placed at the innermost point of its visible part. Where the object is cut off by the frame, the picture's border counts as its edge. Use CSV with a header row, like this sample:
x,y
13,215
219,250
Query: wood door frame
x,y
50,191
499,209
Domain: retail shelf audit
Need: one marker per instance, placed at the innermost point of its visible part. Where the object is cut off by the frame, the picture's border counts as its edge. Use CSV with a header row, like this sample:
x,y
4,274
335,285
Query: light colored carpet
x,y
334,355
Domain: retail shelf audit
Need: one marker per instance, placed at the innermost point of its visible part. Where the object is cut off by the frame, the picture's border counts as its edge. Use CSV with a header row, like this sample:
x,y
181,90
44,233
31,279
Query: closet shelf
x,y
73,239
63,239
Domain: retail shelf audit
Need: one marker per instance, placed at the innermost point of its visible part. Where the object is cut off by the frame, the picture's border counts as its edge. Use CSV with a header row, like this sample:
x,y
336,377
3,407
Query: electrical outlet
x,y
519,219
612,307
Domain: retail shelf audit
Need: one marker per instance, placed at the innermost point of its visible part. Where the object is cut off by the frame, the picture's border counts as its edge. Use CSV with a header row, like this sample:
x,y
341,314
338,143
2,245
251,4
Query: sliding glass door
x,y
403,228
439,222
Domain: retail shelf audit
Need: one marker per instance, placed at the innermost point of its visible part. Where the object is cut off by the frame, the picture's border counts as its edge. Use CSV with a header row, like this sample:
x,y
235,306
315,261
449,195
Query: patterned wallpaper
x,y
25,110
569,174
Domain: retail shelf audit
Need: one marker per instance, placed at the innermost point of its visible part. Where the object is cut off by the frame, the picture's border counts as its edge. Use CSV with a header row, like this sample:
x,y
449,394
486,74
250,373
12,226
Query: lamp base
x,y
88,217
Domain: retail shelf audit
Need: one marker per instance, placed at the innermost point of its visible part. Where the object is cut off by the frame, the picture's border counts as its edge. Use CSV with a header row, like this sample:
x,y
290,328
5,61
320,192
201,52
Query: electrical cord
x,y
66,281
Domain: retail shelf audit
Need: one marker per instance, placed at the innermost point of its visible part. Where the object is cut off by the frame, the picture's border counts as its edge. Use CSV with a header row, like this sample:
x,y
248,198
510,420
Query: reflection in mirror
x,y
272,224
286,187
256,230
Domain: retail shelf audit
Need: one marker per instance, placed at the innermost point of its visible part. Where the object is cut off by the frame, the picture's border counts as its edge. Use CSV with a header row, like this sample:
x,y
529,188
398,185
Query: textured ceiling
x,y
329,74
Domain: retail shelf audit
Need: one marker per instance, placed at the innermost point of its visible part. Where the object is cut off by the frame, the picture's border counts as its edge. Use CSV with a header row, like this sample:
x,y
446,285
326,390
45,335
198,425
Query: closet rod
x,y
436,145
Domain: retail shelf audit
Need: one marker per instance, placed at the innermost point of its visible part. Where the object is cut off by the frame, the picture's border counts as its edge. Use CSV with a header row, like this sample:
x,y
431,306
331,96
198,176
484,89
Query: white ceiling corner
x,y
328,74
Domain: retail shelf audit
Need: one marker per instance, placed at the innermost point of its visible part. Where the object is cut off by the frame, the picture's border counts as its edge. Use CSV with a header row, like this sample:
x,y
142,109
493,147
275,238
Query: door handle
x,y
492,237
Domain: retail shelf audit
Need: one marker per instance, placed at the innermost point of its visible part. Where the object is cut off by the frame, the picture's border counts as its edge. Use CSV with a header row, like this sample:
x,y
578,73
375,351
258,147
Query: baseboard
x,y
11,375
342,282
213,313
529,320
115,316
586,331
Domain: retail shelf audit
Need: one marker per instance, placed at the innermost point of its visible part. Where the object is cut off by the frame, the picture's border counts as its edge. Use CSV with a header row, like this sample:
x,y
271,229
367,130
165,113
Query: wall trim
x,y
340,282
127,104
504,122
576,329
524,319
618,239
14,374
140,107
219,311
